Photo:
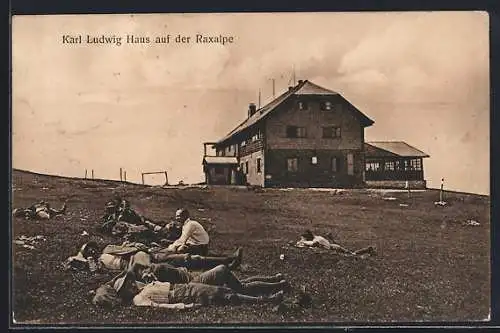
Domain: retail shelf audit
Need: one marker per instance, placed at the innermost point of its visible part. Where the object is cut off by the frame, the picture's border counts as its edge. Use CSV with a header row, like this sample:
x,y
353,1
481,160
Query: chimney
x,y
301,81
290,88
251,109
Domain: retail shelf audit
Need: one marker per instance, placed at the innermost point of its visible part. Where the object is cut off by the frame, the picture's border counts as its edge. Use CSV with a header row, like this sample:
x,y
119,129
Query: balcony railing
x,y
251,147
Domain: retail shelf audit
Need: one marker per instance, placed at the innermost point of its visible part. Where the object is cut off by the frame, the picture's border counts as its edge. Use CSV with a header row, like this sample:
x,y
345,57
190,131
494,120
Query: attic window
x,y
303,105
326,106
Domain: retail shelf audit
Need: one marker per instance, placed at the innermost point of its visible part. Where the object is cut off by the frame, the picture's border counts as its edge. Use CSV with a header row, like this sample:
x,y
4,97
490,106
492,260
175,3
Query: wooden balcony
x,y
251,147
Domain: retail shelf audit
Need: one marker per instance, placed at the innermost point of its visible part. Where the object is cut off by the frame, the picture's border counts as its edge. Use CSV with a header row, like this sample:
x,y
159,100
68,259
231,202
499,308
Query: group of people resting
x,y
177,276
178,273
161,284
123,221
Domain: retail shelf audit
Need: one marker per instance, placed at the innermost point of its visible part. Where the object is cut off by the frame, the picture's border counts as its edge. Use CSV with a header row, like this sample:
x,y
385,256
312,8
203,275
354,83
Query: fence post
x,y
166,178
92,173
85,173
441,190
143,178
125,175
121,177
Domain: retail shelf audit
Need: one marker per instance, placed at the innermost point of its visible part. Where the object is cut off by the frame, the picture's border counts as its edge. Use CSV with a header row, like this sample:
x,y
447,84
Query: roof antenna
x,y
294,75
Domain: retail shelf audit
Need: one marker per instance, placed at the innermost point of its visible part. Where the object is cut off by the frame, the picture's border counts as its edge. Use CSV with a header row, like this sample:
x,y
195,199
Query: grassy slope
x,y
429,266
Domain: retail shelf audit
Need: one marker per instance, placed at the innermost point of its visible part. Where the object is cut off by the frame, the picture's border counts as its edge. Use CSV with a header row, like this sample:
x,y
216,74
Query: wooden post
x,y
92,173
121,173
166,178
441,190
85,173
125,175
143,178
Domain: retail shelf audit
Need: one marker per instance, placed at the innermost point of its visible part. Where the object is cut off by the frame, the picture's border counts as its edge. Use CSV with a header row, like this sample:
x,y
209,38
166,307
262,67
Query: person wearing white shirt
x,y
308,239
125,289
194,239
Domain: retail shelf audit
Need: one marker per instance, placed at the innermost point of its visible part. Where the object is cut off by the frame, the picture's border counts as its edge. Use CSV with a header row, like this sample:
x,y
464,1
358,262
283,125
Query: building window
x,y
246,167
243,143
326,106
335,165
259,166
331,132
292,164
229,148
314,160
416,164
295,132
373,166
389,166
303,105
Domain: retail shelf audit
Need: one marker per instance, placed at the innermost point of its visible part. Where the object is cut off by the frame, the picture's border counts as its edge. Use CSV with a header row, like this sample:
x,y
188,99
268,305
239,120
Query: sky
x,y
423,77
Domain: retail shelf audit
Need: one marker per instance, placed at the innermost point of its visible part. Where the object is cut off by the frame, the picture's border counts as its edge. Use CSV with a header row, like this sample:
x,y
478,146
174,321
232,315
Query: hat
x,y
87,247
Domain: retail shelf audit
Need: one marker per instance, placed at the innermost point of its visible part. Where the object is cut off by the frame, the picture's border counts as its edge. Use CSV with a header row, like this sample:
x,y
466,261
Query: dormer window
x,y
303,105
326,106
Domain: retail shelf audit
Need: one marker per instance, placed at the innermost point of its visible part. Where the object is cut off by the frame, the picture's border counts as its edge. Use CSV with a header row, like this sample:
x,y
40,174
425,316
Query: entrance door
x,y
350,164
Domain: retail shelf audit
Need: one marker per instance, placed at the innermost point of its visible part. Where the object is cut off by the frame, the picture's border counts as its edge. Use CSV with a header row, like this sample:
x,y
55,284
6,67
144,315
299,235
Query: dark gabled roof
x,y
392,149
303,88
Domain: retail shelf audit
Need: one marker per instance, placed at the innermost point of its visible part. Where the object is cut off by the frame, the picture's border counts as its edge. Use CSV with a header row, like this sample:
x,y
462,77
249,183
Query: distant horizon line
x,y
200,183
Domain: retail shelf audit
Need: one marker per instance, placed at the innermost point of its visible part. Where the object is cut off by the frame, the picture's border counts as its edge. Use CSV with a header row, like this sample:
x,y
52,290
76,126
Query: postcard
x,y
250,168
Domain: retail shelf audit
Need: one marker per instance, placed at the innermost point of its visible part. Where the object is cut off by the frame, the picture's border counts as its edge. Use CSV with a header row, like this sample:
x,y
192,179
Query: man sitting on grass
x,y
39,211
125,288
308,239
194,239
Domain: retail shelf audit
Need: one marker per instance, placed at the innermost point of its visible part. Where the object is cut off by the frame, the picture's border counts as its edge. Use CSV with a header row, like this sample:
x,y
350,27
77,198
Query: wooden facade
x,y
390,162
307,137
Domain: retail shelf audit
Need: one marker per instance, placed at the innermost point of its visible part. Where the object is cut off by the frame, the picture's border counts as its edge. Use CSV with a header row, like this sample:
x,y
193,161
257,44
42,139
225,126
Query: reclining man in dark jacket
x,y
126,288
118,257
220,275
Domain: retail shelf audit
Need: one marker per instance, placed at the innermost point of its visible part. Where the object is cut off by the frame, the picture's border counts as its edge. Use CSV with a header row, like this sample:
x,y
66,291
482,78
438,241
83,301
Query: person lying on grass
x,y
308,239
39,211
220,275
126,289
119,211
118,257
